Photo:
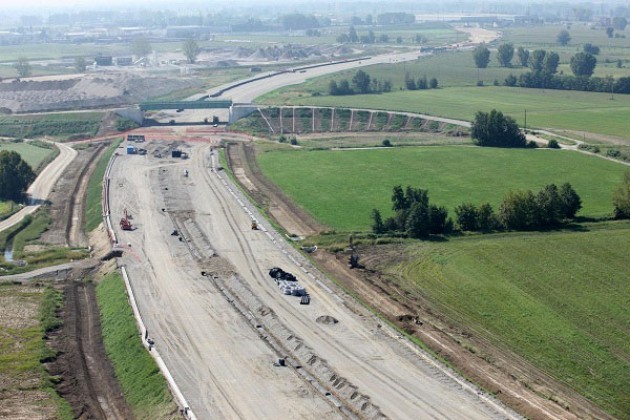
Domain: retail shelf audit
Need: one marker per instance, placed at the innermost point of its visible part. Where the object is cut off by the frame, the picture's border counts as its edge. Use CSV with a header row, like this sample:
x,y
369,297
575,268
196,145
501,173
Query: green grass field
x,y
26,313
340,188
144,387
579,111
32,154
61,126
558,299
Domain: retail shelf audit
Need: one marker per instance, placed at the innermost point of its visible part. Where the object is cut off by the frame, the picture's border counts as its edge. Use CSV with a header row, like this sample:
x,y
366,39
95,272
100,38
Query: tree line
x,y
361,83
543,67
415,217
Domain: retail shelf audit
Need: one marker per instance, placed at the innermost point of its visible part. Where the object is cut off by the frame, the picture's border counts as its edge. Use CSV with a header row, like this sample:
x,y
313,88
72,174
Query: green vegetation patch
x,y
340,188
61,126
558,299
26,313
28,232
93,200
34,153
144,387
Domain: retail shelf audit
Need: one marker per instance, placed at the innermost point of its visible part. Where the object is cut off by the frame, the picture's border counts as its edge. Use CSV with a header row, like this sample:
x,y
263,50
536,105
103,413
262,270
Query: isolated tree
x,y
481,55
583,65
467,217
141,48
550,63
523,56
621,198
433,83
410,82
563,37
505,54
619,23
361,82
570,201
548,206
518,210
191,50
589,48
23,67
496,130
352,35
537,60
333,89
15,175
80,65
377,225
609,31
487,220
418,222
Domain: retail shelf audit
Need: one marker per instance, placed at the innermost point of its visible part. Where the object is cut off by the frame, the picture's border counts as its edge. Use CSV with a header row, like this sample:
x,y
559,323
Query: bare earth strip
x,y
217,358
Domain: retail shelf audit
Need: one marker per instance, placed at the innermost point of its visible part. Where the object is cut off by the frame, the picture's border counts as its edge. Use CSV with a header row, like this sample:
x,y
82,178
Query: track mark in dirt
x,y
242,161
88,384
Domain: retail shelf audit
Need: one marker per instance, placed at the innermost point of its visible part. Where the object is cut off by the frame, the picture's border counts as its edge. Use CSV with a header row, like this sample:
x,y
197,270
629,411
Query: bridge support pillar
x,y
240,111
134,114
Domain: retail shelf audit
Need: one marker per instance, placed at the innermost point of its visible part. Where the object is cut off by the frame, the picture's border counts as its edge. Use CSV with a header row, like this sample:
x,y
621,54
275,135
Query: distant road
x,y
248,92
41,188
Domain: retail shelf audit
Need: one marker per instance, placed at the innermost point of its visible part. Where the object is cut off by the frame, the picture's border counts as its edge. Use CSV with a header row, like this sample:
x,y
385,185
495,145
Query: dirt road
x,y
220,362
40,189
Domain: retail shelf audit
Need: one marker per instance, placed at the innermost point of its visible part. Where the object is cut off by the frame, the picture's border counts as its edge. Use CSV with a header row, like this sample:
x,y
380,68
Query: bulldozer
x,y
125,223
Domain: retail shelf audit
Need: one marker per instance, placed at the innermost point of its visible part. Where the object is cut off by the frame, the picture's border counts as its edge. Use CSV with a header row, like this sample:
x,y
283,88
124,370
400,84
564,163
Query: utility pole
x,y
525,122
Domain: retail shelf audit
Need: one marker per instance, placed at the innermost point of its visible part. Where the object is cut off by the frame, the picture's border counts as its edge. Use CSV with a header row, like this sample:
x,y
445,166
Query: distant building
x,y
124,61
103,60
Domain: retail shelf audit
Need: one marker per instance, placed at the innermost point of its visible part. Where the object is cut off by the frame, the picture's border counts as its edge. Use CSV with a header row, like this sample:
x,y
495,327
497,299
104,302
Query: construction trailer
x,y
138,138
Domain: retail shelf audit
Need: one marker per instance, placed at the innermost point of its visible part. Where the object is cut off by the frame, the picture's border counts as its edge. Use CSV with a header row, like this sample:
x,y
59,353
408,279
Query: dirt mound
x,y
91,91
326,319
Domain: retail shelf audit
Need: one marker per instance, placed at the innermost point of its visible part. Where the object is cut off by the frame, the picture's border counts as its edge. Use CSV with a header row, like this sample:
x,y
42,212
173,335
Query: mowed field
x,y
340,188
558,299
579,111
33,155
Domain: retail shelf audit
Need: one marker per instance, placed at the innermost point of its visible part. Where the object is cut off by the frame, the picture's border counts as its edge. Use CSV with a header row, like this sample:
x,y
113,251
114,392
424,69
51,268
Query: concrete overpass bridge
x,y
235,111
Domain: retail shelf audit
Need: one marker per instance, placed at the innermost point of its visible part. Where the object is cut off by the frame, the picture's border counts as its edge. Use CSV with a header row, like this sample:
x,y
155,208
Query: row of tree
x,y
361,83
416,217
539,61
420,83
568,82
522,210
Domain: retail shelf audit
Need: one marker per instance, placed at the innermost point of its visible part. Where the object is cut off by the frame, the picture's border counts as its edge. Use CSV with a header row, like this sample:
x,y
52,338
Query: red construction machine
x,y
125,224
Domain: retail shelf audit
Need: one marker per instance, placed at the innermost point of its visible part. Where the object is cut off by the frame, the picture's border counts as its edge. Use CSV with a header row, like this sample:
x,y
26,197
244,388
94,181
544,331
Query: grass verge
x,y
94,195
144,387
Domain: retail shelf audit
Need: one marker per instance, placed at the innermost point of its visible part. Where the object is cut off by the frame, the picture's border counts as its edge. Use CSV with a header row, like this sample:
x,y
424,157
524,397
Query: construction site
x,y
198,270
